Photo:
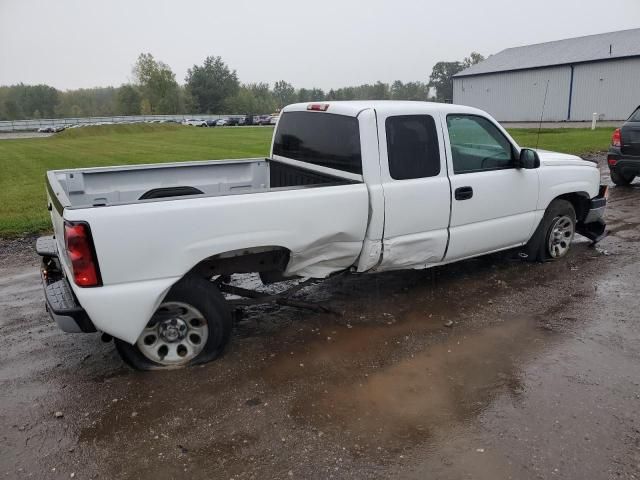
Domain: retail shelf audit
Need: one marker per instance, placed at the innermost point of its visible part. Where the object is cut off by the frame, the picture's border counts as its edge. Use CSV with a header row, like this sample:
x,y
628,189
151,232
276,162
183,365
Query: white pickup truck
x,y
143,253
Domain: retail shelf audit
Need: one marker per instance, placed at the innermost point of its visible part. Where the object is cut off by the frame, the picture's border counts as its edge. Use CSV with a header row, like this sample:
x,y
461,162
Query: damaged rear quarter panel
x,y
169,238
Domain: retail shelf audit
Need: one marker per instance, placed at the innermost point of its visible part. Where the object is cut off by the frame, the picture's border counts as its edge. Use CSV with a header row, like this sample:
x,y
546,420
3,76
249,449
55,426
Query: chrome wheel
x,y
175,335
560,236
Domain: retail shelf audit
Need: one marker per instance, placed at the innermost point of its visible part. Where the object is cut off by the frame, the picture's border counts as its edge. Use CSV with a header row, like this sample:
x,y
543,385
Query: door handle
x,y
463,193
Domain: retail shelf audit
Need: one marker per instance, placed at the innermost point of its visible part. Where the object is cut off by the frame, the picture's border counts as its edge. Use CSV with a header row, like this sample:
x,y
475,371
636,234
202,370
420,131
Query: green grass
x,y
568,140
24,162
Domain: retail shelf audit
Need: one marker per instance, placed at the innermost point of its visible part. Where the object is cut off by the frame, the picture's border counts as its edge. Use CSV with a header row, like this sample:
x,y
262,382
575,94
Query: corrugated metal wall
x,y
611,89
517,96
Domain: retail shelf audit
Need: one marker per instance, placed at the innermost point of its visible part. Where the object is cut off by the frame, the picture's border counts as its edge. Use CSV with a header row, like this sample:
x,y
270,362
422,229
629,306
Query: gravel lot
x,y
537,378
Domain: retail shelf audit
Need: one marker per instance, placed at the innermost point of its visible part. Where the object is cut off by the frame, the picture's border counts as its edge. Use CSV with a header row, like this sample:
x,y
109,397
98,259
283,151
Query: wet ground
x,y
537,378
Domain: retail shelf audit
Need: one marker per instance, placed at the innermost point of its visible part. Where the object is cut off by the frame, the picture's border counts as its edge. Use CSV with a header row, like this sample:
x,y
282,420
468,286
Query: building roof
x,y
604,46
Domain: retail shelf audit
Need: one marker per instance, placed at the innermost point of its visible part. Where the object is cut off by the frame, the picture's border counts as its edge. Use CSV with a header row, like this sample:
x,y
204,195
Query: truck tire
x,y
552,239
191,326
620,180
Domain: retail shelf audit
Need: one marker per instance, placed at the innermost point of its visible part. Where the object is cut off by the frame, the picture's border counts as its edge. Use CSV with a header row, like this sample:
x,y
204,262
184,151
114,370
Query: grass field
x,y
24,162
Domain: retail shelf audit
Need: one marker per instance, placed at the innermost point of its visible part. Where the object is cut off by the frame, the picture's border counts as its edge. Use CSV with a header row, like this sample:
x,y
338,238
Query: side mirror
x,y
528,159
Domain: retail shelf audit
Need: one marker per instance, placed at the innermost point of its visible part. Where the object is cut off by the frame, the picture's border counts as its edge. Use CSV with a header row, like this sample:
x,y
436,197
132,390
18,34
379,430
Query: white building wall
x,y
517,96
611,89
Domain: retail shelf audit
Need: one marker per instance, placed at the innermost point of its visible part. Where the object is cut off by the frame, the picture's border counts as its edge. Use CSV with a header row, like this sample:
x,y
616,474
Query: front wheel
x,y
552,239
621,180
191,326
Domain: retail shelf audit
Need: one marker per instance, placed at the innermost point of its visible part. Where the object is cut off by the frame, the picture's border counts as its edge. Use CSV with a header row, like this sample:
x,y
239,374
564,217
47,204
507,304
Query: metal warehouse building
x,y
594,74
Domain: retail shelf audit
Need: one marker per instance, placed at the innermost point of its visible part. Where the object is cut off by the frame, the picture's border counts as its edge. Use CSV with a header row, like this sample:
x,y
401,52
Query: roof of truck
x,y
354,107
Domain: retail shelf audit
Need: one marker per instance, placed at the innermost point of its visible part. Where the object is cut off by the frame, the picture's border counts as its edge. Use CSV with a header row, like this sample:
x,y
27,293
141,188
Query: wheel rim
x,y
175,335
560,236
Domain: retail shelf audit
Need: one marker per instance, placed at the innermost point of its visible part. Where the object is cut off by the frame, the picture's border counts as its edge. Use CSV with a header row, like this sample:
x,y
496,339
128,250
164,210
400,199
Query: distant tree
x,y
12,110
41,98
145,107
310,95
409,91
128,100
472,59
23,101
442,75
265,101
241,103
84,102
284,93
211,84
304,95
157,84
442,79
316,94
380,91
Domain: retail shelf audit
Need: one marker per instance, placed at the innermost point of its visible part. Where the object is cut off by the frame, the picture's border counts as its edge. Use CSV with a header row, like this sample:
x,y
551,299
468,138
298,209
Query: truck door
x,y
416,190
493,204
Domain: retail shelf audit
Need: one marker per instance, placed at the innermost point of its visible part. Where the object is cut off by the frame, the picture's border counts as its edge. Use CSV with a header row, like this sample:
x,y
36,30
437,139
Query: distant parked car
x,y
624,152
233,122
45,130
195,122
264,119
274,119
222,122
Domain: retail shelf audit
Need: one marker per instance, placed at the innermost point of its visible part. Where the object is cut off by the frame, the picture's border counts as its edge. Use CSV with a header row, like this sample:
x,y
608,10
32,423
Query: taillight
x,y
616,138
318,107
77,238
612,161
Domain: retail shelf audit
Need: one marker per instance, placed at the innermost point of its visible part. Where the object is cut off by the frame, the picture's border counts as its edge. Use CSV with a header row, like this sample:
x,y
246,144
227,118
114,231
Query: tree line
x,y
211,87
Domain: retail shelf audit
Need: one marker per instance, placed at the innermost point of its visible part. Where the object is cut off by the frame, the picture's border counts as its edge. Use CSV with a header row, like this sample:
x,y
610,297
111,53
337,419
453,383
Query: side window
x,y
412,147
477,144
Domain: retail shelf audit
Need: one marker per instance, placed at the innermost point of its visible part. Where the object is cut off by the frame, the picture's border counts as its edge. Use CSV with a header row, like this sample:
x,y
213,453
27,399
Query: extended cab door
x,y
493,202
416,189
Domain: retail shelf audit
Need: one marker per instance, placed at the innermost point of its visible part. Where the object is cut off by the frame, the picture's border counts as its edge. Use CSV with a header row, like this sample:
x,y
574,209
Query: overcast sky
x,y
321,43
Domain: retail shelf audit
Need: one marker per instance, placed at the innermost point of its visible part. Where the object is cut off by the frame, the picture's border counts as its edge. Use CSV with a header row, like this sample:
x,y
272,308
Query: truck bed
x,y
106,186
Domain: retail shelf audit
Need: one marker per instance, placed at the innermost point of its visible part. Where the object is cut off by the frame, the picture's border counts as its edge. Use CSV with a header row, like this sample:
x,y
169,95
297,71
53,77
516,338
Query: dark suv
x,y
624,152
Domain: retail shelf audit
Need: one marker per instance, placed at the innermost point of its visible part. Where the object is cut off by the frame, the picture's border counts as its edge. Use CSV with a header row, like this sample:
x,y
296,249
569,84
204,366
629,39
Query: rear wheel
x,y
191,326
552,239
620,179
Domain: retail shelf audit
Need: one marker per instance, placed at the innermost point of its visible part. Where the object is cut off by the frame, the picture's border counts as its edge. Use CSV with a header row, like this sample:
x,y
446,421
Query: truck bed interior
x,y
131,184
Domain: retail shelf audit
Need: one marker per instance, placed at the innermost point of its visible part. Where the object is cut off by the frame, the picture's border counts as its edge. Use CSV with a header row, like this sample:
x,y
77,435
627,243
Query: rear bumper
x,y
61,303
627,165
593,226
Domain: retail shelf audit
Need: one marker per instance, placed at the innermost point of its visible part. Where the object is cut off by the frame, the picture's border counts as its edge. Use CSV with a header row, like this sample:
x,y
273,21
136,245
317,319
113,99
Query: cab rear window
x,y
635,116
323,139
